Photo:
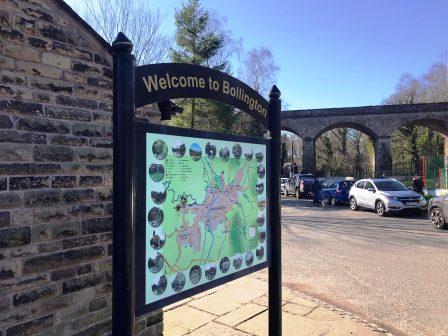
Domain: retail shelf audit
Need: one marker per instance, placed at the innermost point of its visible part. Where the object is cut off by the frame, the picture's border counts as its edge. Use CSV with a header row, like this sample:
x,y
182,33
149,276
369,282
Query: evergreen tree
x,y
197,43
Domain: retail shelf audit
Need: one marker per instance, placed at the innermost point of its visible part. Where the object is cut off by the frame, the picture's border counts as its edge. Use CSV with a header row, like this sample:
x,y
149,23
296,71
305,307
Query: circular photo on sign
x,y
210,150
156,172
261,235
224,264
237,261
155,262
259,187
155,216
195,152
261,202
249,258
210,271
158,239
259,156
224,154
159,149
237,151
158,196
179,149
159,284
195,274
260,219
178,282
261,171
259,252
249,155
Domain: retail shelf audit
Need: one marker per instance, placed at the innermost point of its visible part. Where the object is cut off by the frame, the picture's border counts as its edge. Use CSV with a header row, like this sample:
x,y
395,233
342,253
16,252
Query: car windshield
x,y
390,185
346,184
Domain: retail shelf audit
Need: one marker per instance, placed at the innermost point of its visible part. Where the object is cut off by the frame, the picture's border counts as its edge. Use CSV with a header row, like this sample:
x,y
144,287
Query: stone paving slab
x,y
239,308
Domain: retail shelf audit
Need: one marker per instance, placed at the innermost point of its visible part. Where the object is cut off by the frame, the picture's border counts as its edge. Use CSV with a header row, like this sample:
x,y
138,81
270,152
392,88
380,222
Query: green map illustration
x,y
206,211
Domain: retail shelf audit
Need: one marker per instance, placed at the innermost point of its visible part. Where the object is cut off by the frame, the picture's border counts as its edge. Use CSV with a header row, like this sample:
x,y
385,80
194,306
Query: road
x,y
392,270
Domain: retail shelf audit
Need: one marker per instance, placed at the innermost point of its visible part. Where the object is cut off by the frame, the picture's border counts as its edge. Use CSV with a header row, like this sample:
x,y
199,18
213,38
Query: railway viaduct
x,y
378,122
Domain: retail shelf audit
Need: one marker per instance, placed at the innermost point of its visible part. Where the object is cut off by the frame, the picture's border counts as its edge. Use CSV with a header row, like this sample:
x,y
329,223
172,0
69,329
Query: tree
x,y
259,72
140,23
199,41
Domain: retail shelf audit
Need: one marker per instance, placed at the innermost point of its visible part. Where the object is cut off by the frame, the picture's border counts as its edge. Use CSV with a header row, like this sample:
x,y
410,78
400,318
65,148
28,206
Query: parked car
x,y
438,212
300,185
283,181
336,191
385,196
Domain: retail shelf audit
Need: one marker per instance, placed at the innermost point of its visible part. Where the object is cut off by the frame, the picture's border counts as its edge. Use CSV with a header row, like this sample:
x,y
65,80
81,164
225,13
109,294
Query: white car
x,y
385,196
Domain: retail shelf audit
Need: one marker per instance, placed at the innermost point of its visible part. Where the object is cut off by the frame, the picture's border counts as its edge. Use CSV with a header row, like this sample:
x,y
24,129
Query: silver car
x,y
385,196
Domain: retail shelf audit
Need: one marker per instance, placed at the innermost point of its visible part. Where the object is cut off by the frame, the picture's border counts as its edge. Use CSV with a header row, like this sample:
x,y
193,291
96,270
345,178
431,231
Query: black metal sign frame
x,y
141,129
135,87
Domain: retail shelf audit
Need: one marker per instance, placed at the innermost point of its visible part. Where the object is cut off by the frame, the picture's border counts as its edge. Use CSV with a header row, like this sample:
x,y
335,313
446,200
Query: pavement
x,y
239,308
392,271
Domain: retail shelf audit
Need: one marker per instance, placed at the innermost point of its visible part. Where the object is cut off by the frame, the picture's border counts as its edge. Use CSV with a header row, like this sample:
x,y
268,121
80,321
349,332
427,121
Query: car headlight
x,y
392,197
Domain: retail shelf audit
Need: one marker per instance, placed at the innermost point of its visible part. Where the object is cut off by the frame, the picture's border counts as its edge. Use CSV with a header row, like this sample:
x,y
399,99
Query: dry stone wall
x,y
55,174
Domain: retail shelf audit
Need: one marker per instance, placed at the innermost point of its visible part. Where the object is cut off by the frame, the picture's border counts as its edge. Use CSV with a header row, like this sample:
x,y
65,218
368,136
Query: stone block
x,y
38,69
64,181
39,43
94,154
33,295
99,82
85,68
29,168
8,271
12,237
39,13
5,121
22,137
42,125
87,130
77,284
79,195
31,327
21,52
66,140
8,34
56,60
86,92
44,198
25,24
90,181
3,183
68,50
48,84
79,241
54,33
67,113
97,304
27,108
5,218
97,329
61,259
29,182
76,102
100,59
9,200
9,77
45,215
97,225
53,153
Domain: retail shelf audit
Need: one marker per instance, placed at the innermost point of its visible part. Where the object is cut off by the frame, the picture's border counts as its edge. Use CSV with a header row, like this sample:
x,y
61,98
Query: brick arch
x,y
436,124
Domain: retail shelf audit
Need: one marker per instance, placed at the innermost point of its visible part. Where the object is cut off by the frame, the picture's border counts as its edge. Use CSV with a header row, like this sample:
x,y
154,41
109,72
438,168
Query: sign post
x,y
123,311
192,209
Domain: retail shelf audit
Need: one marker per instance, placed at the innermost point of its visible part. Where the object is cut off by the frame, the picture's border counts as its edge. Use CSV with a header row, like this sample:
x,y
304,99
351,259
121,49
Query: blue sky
x,y
335,53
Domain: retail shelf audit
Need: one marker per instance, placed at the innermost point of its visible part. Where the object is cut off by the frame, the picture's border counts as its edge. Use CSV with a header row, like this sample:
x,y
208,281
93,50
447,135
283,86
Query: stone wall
x,y
55,174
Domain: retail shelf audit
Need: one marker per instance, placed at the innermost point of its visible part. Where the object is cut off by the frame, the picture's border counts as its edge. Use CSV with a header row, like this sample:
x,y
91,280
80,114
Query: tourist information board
x,y
203,212
192,209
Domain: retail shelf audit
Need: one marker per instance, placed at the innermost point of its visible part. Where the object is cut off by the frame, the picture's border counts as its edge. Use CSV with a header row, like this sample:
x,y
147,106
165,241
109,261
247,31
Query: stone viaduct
x,y
378,122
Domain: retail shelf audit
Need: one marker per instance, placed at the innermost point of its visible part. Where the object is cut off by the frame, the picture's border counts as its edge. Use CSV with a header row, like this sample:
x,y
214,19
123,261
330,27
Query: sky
x,y
335,53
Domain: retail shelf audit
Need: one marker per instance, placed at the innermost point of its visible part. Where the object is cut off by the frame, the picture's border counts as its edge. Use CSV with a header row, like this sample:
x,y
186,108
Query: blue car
x,y
336,191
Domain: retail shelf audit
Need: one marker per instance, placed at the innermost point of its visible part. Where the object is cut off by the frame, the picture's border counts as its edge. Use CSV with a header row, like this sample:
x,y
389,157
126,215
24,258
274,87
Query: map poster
x,y
202,212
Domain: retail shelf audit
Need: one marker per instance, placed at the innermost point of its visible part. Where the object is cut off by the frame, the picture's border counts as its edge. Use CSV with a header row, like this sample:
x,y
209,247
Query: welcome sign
x,y
172,80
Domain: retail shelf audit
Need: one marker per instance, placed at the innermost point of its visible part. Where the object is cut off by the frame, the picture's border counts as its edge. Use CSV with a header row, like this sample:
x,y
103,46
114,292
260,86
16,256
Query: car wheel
x,y
437,219
380,208
333,201
353,204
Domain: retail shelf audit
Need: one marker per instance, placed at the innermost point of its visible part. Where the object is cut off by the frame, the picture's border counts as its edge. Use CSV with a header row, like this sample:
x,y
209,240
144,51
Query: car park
x,y
300,185
385,196
438,212
336,191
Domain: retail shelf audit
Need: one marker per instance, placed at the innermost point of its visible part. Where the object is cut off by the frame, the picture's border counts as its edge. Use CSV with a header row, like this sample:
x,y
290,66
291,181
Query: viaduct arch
x,y
378,122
